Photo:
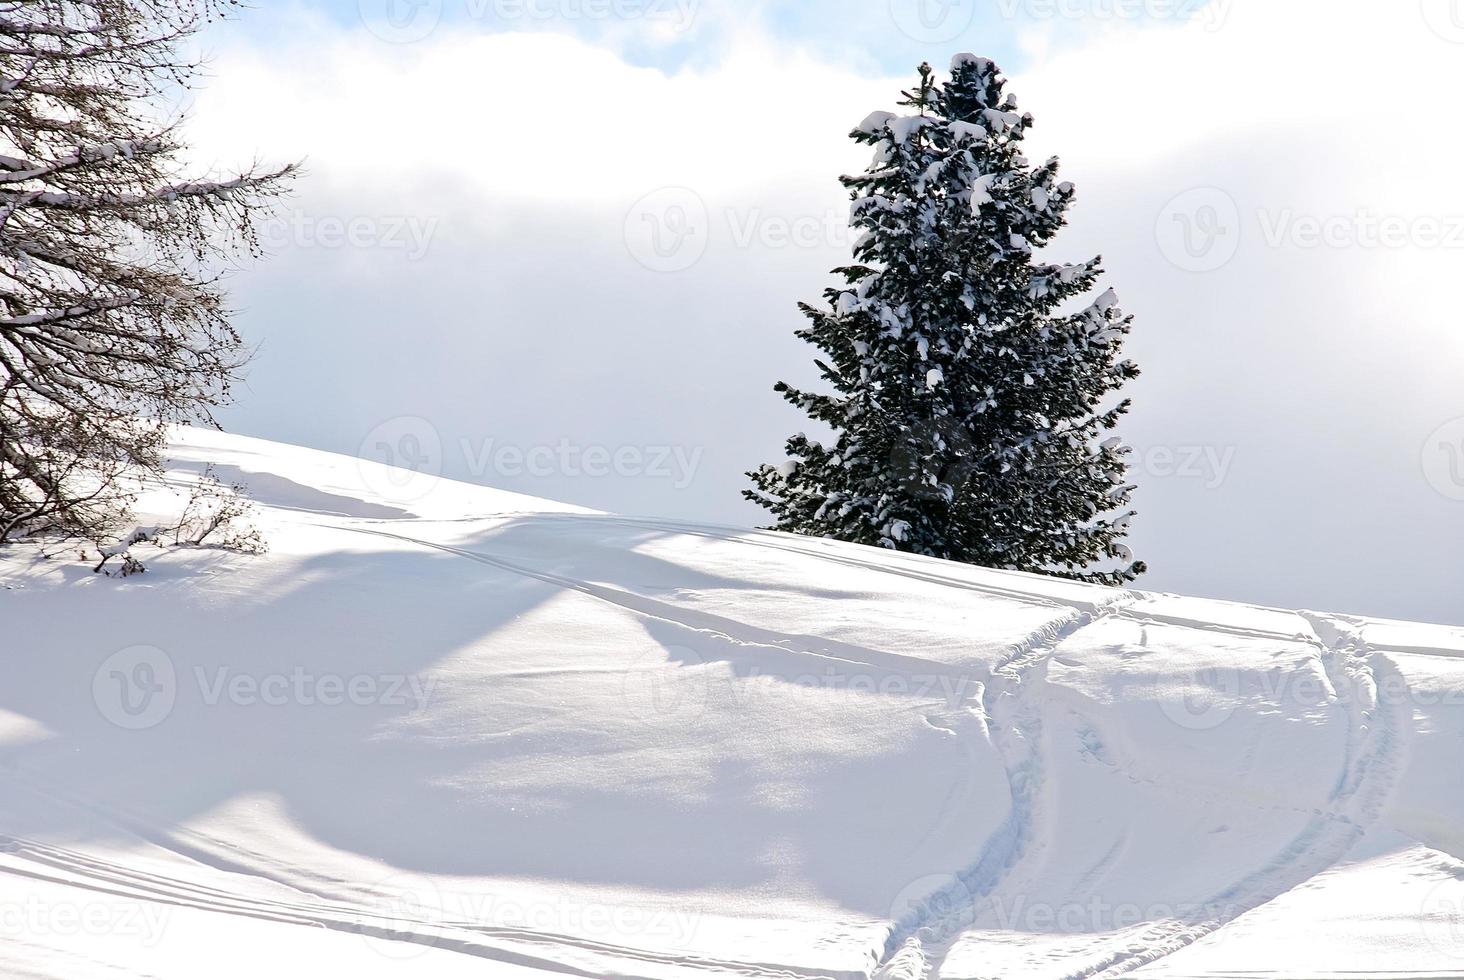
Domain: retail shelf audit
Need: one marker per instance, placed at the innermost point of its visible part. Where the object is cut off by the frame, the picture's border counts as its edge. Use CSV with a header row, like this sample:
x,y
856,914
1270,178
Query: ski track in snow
x,y
325,912
916,946
707,624
1004,700
780,541
62,866
69,867
1007,702
1373,761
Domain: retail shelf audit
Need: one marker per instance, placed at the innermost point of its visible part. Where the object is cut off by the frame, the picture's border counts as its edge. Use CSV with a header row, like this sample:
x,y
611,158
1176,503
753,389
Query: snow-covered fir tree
x,y
973,392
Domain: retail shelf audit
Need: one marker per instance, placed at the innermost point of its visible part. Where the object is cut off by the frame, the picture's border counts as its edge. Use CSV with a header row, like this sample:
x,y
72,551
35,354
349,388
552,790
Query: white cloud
x,y
1317,370
538,116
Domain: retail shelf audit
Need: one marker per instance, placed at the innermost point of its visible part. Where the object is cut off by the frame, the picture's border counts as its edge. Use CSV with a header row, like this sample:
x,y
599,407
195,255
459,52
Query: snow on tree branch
x,y
969,410
111,322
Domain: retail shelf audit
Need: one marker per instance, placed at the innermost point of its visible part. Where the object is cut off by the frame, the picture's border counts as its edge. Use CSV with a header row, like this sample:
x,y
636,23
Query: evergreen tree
x,y
970,399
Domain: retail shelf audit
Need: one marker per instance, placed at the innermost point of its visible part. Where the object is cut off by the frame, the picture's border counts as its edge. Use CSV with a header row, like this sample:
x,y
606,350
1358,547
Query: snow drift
x,y
441,730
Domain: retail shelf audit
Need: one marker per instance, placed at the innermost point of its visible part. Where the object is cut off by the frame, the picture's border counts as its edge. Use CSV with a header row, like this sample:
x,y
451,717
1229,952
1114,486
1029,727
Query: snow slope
x,y
445,731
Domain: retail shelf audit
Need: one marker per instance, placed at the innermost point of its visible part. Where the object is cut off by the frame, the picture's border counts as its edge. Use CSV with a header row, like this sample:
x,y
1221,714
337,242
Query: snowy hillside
x,y
443,731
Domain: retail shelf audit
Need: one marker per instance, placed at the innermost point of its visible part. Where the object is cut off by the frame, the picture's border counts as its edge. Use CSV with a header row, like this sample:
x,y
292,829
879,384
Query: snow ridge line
x,y
62,866
1373,762
776,540
182,895
708,624
916,944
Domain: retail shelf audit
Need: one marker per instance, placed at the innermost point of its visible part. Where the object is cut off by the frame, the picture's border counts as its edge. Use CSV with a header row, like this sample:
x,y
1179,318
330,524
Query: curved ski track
x,y
1373,761
916,947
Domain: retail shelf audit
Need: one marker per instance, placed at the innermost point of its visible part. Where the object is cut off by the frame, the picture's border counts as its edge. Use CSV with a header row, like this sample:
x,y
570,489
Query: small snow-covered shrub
x,y
217,515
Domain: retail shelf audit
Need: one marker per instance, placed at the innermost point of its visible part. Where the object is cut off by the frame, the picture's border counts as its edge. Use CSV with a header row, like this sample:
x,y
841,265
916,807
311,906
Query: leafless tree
x,y
113,322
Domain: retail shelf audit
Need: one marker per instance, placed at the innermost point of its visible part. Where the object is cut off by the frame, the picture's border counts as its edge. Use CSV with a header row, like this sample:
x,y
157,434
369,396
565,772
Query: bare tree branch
x,y
110,324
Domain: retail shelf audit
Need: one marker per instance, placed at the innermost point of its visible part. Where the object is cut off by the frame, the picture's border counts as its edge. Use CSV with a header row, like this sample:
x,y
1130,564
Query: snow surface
x,y
445,731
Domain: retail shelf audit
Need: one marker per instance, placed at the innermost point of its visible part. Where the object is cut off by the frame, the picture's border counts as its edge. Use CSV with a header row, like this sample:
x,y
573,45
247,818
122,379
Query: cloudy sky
x,y
556,246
